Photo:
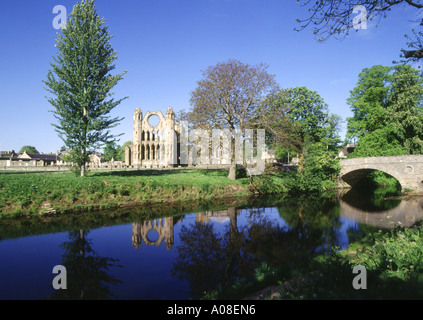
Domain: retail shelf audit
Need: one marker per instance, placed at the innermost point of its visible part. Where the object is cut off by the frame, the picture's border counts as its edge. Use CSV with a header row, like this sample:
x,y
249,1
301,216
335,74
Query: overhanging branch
x,y
416,54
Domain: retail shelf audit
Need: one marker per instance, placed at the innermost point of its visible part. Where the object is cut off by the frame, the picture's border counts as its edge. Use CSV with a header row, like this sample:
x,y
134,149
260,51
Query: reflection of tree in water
x,y
313,220
87,273
208,259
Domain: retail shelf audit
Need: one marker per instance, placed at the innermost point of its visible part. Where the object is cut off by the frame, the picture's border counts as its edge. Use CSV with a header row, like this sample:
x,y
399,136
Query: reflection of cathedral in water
x,y
155,231
145,231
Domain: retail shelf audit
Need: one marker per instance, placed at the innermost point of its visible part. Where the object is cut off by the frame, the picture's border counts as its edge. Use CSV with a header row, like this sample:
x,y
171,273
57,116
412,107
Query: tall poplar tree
x,y
81,82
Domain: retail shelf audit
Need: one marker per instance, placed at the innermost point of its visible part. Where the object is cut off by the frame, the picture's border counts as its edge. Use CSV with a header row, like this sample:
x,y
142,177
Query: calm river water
x,y
179,253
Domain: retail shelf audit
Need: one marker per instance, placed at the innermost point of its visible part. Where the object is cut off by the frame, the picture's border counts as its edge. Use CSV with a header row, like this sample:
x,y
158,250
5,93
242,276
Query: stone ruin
x,y
155,145
167,143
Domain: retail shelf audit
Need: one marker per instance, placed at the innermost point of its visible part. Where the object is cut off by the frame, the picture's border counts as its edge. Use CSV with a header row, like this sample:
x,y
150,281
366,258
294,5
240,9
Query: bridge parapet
x,y
380,160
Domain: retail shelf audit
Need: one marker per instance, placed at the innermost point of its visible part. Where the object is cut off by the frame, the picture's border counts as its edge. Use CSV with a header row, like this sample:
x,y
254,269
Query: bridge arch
x,y
408,170
353,177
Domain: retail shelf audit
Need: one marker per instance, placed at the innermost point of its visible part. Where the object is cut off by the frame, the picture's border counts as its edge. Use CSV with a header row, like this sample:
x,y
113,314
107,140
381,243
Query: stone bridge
x,y
408,170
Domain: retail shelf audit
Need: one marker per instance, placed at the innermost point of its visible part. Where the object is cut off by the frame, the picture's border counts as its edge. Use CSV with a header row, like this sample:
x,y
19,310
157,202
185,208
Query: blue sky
x,y
165,44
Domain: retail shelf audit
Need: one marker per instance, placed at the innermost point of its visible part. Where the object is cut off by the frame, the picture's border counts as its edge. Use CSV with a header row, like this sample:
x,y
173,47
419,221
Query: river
x,y
184,251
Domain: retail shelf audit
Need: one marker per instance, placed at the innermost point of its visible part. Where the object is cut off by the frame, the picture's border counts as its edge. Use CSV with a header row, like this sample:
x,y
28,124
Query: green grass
x,y
393,260
23,194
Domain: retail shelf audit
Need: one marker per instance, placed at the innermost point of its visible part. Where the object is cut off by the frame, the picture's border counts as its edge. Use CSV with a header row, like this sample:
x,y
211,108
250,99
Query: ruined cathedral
x,y
155,145
166,143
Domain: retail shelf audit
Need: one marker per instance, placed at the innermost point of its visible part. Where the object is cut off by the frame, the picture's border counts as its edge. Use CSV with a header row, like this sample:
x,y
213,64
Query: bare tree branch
x,y
333,18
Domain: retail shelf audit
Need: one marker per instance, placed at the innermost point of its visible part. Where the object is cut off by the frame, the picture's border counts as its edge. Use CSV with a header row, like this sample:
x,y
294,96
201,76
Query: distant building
x,y
12,159
96,159
39,159
6,158
269,156
8,154
345,151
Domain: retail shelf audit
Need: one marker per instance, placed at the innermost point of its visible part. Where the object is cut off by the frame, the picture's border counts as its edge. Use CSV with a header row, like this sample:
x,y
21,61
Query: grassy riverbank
x,y
393,262
37,193
23,194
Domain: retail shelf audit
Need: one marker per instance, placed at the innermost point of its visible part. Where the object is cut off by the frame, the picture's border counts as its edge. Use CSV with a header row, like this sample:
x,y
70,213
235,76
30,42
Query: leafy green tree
x,y
387,112
274,115
112,151
81,82
29,149
297,117
405,111
320,164
309,111
121,155
332,139
368,101
381,142
284,153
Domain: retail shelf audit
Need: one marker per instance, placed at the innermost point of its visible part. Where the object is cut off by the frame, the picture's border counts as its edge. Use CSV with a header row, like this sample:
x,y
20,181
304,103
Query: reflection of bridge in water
x,y
408,212
154,232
